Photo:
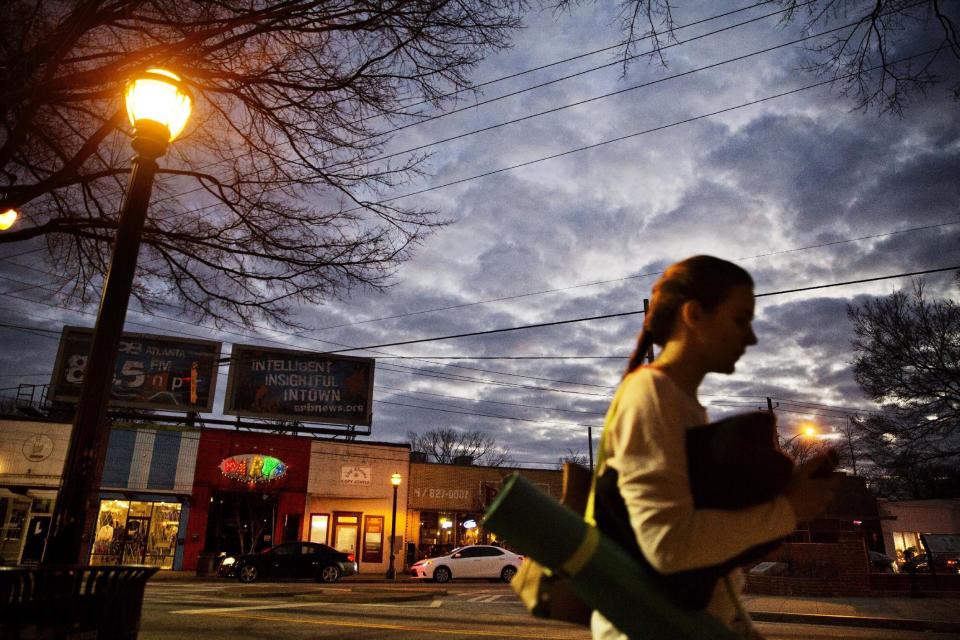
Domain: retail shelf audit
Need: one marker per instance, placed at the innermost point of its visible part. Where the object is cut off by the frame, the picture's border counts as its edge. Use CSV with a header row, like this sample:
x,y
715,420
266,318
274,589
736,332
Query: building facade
x,y
350,501
32,455
249,493
904,521
447,502
145,496
145,490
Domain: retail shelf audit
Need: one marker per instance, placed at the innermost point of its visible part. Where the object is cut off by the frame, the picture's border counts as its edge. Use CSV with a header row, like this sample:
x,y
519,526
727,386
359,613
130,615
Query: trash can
x,y
72,601
207,563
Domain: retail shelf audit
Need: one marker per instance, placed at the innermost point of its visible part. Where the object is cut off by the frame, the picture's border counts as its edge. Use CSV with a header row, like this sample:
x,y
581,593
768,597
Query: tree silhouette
x,y
907,348
447,444
274,193
882,32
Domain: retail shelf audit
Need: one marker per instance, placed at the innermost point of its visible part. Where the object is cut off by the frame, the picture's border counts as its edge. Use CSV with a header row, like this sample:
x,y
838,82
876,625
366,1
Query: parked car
x,y
291,560
472,561
945,564
882,563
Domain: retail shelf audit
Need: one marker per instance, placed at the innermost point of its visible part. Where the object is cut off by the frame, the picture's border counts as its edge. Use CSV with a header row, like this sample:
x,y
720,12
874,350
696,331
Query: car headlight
x,y
228,562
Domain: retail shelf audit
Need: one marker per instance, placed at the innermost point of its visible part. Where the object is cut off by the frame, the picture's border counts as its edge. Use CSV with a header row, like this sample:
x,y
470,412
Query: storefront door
x,y
346,532
36,538
135,542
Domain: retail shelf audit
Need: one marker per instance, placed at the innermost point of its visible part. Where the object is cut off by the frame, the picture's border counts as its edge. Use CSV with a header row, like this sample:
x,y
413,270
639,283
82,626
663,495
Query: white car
x,y
472,561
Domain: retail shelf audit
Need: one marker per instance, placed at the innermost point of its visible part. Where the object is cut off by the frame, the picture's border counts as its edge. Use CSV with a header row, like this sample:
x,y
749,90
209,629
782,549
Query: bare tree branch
x,y
269,200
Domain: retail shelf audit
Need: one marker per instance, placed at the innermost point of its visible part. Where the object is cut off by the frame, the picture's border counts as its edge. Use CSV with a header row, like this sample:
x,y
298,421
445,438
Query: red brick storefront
x,y
221,506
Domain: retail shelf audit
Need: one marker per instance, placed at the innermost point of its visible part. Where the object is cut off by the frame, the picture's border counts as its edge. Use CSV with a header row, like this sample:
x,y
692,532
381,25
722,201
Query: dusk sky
x,y
801,190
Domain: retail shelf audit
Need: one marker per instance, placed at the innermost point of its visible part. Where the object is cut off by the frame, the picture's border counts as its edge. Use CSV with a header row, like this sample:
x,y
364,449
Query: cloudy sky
x,y
801,190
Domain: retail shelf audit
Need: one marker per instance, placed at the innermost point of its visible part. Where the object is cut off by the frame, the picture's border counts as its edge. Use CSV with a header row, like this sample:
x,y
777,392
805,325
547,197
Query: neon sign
x,y
253,468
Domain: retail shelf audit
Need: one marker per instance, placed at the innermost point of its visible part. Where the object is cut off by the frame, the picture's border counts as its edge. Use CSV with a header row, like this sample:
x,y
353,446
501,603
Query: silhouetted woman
x,y
700,314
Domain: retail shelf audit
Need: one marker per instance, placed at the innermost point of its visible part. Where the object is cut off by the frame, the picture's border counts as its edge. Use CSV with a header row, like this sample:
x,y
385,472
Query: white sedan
x,y
472,561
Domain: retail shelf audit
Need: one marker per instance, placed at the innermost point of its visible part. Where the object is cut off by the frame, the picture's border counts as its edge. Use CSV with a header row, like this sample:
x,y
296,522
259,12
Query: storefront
x,y
905,521
145,497
249,493
145,489
447,502
32,455
350,506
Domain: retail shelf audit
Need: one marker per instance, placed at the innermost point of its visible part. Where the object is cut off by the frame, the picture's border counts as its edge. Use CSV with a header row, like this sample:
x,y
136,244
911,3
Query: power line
x,y
599,97
508,77
641,133
486,415
511,404
588,100
540,325
633,277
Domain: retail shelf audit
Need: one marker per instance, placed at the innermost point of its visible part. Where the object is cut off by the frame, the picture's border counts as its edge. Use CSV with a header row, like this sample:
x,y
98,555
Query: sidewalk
x,y
914,614
929,613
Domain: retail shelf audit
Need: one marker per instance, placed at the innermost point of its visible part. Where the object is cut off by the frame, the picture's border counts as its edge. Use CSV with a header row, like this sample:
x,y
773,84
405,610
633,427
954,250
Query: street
x,y
378,611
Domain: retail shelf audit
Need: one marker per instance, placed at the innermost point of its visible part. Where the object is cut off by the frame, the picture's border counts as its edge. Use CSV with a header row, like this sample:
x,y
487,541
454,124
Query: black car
x,y
291,560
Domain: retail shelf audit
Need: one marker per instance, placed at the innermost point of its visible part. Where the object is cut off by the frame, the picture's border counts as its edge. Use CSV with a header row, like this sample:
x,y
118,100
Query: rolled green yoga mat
x,y
605,576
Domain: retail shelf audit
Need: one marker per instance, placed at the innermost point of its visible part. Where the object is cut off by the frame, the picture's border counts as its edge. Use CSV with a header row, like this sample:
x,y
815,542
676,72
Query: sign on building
x,y
299,385
151,372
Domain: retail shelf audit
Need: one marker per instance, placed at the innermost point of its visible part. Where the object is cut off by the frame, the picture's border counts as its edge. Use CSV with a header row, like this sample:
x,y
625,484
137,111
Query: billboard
x,y
299,385
151,372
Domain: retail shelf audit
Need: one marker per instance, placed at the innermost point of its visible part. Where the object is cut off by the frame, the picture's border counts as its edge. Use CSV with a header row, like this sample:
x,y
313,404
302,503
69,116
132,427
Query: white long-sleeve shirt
x,y
647,446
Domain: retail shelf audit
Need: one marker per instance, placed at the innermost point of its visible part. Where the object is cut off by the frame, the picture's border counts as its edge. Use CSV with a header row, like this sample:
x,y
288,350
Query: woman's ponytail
x,y
644,345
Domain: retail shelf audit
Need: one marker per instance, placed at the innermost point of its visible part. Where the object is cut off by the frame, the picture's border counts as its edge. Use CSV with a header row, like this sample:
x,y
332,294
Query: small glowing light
x,y
446,524
7,218
932,417
858,522
470,524
395,479
152,96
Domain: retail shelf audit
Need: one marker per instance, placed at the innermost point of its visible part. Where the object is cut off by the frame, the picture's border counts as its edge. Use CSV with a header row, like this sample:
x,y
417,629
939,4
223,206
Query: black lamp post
x,y
391,572
158,106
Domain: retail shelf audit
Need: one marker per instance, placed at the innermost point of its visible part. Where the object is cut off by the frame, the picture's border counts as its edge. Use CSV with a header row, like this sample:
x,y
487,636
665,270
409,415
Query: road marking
x,y
484,598
436,604
394,627
299,605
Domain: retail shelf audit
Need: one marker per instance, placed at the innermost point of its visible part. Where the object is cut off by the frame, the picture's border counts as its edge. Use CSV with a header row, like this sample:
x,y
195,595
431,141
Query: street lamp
x,y
158,105
807,430
391,572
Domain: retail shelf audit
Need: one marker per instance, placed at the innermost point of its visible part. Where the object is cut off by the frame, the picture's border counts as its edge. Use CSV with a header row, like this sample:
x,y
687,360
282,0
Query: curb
x,y
372,598
901,624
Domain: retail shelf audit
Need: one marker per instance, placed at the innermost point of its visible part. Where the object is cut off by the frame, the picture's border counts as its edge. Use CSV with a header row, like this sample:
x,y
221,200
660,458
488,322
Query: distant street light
x,y
807,430
7,218
391,572
158,106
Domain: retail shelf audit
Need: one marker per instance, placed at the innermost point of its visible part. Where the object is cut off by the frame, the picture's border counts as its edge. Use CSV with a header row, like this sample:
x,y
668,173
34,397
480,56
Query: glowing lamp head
x,y
7,218
158,105
395,479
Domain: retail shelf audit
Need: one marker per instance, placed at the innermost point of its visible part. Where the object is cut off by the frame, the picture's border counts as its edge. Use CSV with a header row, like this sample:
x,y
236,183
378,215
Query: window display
x,y
135,532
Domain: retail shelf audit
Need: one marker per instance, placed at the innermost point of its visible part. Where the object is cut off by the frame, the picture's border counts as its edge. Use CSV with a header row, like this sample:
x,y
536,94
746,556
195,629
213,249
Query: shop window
x,y
373,539
162,540
111,526
13,520
42,505
319,522
136,533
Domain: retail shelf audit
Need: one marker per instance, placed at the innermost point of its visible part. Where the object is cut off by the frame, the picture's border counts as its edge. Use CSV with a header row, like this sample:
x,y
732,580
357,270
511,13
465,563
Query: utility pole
x,y
590,444
646,308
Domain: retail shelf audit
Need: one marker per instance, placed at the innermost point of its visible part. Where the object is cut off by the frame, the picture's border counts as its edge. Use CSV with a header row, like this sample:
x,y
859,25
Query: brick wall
x,y
817,569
